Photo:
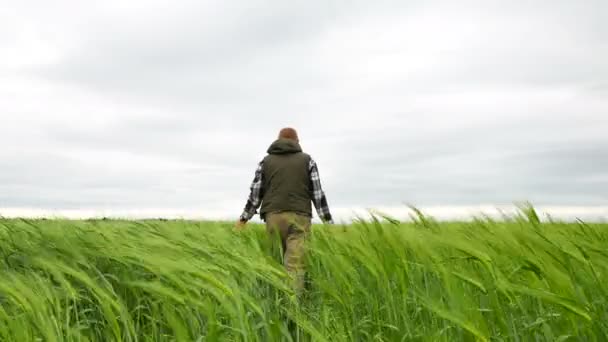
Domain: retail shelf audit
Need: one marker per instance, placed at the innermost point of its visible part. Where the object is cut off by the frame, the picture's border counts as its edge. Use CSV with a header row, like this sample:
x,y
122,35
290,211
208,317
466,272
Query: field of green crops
x,y
517,279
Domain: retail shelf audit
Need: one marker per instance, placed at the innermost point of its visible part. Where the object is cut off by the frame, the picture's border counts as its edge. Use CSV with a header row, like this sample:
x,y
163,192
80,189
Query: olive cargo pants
x,y
292,230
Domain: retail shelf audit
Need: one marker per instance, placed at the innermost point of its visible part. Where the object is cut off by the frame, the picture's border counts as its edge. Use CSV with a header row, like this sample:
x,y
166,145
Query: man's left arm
x,y
255,196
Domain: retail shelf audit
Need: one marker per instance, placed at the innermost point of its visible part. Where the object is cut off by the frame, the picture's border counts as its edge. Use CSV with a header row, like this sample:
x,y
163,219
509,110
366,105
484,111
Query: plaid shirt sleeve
x,y
255,195
318,195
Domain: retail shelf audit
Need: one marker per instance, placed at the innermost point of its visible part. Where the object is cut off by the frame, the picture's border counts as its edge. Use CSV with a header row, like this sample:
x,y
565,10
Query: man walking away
x,y
285,183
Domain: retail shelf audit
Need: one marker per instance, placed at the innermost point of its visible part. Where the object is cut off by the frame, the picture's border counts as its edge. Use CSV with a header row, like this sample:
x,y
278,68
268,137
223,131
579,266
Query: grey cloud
x,y
195,142
264,60
490,164
464,182
49,180
190,48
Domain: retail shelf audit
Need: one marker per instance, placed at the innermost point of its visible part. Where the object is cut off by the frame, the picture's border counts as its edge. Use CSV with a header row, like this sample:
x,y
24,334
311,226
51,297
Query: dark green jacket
x,y
286,179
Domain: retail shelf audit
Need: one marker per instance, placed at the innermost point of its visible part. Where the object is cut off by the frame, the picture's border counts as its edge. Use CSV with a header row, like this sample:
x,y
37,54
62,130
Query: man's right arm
x,y
318,195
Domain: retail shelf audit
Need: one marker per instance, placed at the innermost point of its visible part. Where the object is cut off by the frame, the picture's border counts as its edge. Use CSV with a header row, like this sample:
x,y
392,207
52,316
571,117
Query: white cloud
x,y
154,104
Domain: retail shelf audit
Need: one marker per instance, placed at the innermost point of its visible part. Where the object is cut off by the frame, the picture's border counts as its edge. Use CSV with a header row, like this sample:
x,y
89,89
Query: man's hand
x,y
327,220
240,225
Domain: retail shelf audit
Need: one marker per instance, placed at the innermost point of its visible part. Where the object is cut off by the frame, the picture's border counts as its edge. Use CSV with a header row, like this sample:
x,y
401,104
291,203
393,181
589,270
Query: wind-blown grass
x,y
517,279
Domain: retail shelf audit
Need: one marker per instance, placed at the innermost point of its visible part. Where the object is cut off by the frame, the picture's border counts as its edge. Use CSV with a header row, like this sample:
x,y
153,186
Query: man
x,y
285,183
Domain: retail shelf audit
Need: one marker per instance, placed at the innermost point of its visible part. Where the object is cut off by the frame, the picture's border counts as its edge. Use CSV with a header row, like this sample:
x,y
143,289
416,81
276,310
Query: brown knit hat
x,y
288,133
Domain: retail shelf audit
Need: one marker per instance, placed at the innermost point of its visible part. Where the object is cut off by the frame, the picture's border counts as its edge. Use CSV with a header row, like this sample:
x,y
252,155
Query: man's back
x,y
286,179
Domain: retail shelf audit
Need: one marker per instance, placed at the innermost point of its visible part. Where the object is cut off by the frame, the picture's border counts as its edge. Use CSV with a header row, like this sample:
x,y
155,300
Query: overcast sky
x,y
169,105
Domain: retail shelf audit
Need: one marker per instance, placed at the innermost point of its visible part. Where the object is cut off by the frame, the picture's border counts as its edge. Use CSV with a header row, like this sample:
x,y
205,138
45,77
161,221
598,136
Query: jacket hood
x,y
284,146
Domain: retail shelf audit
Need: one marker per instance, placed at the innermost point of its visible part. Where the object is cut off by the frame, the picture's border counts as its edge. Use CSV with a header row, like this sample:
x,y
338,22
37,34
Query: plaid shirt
x,y
318,195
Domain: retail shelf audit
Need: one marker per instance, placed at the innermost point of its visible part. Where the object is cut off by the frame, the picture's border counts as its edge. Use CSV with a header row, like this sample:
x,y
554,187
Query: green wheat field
x,y
519,278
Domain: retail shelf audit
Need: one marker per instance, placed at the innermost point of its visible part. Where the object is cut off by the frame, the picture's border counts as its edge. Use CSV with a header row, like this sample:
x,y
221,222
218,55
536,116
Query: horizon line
x,y
590,213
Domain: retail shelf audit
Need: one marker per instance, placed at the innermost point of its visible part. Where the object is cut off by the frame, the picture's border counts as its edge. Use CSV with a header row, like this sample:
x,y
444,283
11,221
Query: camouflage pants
x,y
292,230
